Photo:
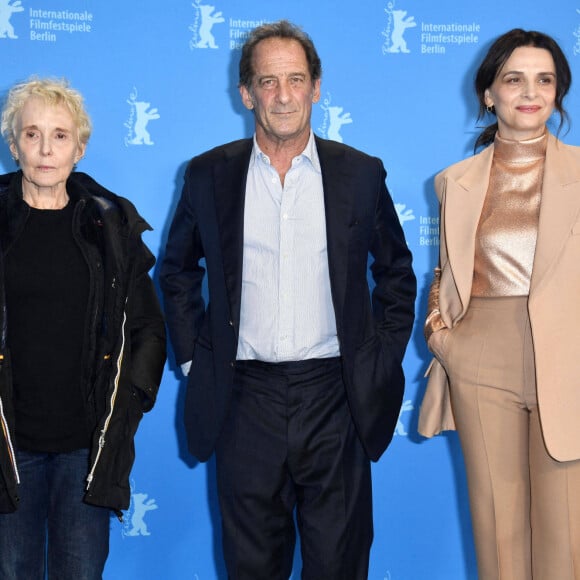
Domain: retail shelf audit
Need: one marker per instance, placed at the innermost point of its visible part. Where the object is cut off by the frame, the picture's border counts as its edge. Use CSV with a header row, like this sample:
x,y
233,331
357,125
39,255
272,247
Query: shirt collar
x,y
310,152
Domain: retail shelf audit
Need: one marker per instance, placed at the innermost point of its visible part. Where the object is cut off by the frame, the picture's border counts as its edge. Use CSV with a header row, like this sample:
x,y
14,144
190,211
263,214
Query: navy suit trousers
x,y
289,453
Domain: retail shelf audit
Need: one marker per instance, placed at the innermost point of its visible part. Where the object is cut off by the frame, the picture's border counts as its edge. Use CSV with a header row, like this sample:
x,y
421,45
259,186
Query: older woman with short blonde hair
x,y
51,91
82,342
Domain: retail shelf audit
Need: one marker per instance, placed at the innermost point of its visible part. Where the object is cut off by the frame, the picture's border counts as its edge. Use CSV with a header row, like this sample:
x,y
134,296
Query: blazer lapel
x,y
464,199
559,207
338,197
230,191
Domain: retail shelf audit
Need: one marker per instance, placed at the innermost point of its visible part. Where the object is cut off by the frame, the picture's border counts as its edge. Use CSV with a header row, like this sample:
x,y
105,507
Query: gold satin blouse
x,y
506,236
508,226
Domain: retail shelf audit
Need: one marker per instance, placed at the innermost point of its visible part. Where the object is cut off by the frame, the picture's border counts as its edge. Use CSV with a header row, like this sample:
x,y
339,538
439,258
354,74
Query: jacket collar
x,y
462,205
80,186
338,200
230,174
464,195
559,207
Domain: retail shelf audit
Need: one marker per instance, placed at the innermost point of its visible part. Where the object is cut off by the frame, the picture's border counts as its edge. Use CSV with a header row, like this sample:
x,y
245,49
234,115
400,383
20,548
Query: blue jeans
x,y
53,531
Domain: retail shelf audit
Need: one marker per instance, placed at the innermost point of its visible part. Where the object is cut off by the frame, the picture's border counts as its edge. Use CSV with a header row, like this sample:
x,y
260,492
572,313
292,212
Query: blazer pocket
x,y
201,373
369,355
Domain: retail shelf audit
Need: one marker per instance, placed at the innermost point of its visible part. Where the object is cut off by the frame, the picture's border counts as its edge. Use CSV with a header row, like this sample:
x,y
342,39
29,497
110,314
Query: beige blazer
x,y
554,300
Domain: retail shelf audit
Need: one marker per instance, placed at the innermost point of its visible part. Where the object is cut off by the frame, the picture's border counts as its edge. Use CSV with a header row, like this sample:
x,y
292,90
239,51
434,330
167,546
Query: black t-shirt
x,y
47,293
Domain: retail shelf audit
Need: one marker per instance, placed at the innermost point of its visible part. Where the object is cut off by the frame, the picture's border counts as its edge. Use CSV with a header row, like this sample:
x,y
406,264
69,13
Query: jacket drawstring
x,y
9,442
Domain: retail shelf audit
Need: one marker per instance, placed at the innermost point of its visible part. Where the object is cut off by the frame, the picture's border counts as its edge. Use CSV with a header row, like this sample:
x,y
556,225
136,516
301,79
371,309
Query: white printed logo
x,y
334,119
205,18
405,215
7,9
400,428
397,24
139,117
576,33
135,524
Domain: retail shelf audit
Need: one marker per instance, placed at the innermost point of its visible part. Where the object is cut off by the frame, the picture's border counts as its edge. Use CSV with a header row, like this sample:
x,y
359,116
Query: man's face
x,y
281,93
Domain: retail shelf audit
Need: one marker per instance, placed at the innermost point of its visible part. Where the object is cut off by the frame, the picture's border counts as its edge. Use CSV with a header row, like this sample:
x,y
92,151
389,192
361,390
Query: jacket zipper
x,y
9,442
105,428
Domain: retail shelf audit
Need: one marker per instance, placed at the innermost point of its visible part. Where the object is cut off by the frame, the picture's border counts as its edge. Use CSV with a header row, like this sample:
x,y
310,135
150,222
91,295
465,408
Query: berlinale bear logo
x,y
7,9
397,24
334,119
135,521
205,18
140,115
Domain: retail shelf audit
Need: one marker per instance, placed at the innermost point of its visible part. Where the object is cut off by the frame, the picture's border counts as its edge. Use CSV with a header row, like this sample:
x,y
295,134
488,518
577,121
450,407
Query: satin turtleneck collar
x,y
520,151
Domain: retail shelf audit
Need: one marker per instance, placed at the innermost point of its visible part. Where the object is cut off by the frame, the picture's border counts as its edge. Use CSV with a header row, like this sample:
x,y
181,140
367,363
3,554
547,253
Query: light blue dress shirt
x,y
286,307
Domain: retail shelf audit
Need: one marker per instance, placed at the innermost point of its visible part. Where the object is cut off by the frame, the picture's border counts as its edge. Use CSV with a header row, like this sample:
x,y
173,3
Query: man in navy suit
x,y
295,376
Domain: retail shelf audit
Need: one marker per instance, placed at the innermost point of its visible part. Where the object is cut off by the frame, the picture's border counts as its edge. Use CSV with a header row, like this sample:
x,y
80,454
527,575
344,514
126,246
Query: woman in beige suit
x,y
504,318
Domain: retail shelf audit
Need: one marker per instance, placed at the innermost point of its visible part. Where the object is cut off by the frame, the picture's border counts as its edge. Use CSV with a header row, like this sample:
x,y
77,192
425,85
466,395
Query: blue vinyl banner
x,y
160,84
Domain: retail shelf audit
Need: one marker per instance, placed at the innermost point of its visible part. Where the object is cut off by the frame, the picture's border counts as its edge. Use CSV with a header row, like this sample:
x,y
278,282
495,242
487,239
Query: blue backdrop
x,y
159,80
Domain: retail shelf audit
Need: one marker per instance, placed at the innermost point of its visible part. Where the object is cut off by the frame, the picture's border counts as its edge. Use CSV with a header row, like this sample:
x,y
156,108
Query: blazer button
x,y
233,364
231,322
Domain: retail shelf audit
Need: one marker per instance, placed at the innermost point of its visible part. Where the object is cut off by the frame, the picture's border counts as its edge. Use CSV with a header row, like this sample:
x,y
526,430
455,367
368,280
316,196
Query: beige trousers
x,y
525,506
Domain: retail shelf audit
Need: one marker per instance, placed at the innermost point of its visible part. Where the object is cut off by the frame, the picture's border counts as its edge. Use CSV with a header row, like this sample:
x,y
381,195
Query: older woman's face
x,y
524,93
46,145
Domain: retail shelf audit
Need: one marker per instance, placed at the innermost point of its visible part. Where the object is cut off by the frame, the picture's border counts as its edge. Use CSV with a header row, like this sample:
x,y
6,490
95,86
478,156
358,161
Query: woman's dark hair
x,y
497,56
280,29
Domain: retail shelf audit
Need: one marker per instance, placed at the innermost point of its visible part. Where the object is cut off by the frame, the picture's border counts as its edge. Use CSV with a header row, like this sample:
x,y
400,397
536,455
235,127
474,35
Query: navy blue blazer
x,y
373,328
